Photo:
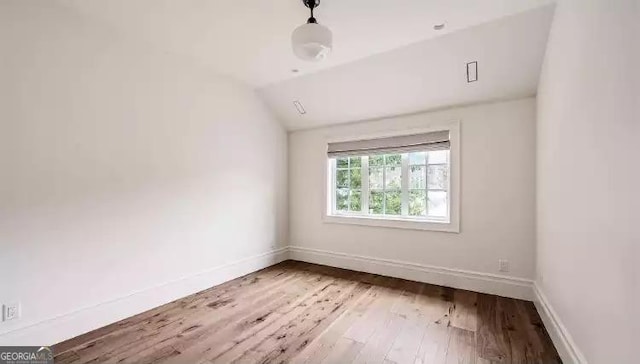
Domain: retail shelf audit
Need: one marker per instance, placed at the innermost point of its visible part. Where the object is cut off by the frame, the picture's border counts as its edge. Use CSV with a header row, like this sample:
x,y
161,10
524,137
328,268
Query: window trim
x,y
403,222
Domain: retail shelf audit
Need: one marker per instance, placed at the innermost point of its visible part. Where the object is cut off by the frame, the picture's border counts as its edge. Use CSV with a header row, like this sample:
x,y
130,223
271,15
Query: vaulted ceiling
x,y
250,41
423,76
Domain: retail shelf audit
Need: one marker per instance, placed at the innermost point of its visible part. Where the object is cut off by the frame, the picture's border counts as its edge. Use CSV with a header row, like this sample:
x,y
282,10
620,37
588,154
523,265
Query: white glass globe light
x,y
312,42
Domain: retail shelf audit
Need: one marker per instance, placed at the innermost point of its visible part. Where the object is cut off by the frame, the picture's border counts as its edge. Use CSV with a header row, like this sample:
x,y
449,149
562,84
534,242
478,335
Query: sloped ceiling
x,y
250,39
426,75
387,58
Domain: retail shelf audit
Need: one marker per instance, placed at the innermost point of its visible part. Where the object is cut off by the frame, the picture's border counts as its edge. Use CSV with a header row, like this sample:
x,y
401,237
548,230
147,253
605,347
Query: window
x,y
412,185
348,184
402,179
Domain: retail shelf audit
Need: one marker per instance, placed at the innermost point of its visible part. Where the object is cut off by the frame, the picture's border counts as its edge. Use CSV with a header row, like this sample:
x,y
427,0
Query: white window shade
x,y
438,140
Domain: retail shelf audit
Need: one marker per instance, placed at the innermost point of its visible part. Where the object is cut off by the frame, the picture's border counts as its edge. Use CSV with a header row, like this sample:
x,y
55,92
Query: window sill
x,y
390,222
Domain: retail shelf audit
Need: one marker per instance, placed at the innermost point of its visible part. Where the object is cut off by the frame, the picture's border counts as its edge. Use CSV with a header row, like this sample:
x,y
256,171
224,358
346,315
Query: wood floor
x,y
297,312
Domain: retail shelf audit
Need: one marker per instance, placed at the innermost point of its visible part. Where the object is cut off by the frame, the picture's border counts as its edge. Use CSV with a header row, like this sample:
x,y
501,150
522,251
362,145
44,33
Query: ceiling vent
x,y
472,71
299,107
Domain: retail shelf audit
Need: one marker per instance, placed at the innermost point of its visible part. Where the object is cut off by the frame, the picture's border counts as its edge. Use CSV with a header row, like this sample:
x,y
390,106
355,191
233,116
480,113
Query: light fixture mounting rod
x,y
311,4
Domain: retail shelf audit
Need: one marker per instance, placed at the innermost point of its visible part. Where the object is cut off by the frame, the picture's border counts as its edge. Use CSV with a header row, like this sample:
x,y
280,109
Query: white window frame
x,y
403,222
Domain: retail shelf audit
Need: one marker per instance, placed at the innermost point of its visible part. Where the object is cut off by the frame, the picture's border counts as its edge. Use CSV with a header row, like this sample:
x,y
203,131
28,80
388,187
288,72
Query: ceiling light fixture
x,y
311,41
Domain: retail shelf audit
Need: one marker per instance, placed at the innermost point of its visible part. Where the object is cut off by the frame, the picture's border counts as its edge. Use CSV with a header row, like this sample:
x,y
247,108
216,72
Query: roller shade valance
x,y
438,140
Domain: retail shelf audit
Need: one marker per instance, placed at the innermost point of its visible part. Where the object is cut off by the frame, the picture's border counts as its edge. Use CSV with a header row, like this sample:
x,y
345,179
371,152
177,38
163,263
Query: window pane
x,y
342,178
392,159
355,161
417,158
437,177
437,204
356,178
376,160
342,162
392,177
354,200
439,157
375,178
376,202
417,177
417,203
393,203
342,197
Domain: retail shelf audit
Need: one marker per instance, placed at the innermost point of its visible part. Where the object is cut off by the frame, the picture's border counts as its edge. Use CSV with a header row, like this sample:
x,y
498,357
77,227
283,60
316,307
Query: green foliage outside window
x,y
376,203
356,178
393,203
355,201
392,159
376,160
425,187
349,184
417,203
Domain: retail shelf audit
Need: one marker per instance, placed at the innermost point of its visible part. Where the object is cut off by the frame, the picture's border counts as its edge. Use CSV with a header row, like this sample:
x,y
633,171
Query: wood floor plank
x,y
377,314
378,345
462,347
280,333
290,340
434,343
344,351
68,357
436,303
491,342
537,333
297,312
263,320
323,345
464,310
406,345
191,320
130,332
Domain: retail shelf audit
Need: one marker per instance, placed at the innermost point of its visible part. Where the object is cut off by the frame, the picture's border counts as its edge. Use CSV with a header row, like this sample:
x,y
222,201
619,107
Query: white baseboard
x,y
473,281
567,348
66,326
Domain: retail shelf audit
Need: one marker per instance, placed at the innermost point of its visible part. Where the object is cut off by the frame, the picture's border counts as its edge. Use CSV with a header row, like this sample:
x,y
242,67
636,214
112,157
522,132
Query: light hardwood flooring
x,y
297,312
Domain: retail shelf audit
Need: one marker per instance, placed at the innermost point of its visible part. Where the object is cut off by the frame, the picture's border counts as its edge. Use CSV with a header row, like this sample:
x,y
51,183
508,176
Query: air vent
x,y
299,107
472,71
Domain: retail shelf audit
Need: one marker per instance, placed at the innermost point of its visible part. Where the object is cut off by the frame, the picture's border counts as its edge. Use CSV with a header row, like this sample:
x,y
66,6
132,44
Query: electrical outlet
x,y
11,311
503,265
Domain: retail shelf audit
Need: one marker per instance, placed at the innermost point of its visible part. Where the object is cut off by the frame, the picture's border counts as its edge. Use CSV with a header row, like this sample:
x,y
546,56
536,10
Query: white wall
x,y
121,169
588,177
497,193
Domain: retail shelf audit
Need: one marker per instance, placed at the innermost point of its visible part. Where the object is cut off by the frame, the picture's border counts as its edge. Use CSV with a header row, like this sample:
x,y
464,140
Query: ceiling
x,y
423,76
250,40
